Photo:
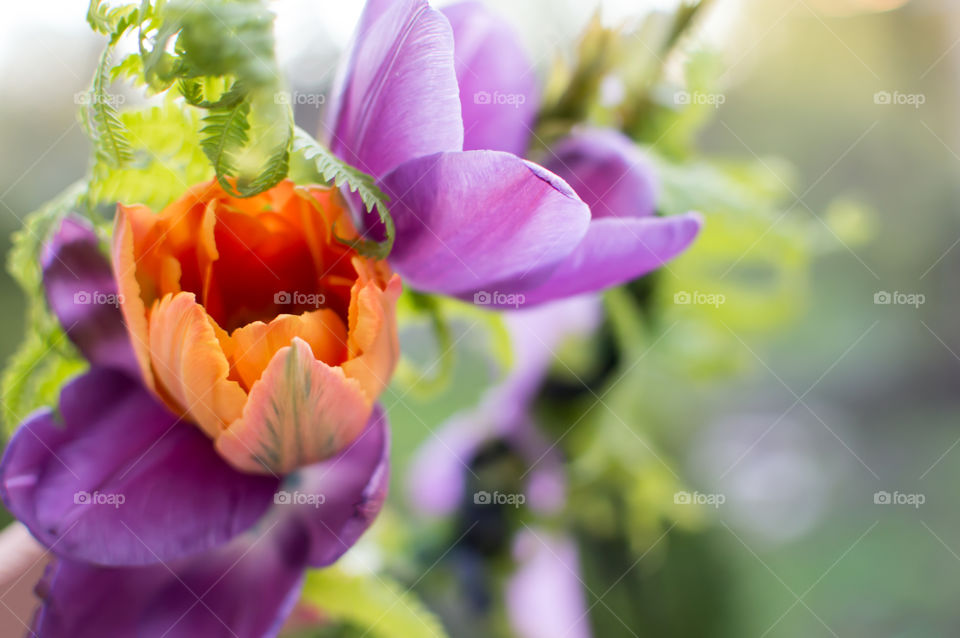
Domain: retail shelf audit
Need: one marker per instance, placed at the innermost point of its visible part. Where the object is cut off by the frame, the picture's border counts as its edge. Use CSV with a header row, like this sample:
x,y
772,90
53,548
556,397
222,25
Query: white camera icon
x,y
283,299
482,498
481,97
882,498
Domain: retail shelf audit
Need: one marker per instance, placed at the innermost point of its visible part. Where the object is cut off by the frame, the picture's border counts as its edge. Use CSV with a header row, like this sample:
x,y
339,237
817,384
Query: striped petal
x,y
300,411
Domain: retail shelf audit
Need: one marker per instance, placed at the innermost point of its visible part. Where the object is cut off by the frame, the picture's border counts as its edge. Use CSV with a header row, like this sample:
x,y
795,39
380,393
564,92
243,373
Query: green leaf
x,y
46,358
381,606
167,159
37,370
215,38
224,133
109,135
219,54
276,169
115,21
326,167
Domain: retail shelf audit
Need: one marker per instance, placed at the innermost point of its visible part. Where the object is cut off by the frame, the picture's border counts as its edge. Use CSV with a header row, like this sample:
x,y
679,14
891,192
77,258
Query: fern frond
x,y
224,133
332,170
110,136
193,93
277,168
45,357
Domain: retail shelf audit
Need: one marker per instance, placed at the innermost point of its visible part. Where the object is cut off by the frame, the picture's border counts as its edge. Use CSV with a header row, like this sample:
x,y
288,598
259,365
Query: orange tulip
x,y
250,319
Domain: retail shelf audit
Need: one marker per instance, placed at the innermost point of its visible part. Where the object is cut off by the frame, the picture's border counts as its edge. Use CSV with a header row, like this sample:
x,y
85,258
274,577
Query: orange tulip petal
x,y
190,365
128,220
253,346
374,345
301,411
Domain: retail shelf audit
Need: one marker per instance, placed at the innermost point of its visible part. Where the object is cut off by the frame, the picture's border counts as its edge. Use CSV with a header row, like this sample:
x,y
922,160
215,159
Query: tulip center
x,y
267,267
249,260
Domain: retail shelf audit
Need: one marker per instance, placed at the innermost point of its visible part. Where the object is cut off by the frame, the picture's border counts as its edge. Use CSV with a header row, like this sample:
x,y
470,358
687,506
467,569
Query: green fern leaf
x,y
45,357
110,136
330,169
224,132
277,168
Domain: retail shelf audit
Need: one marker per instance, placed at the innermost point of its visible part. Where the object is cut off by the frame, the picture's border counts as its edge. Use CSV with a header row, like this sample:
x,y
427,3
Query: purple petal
x,y
397,96
121,481
608,172
498,85
545,597
481,221
332,503
617,250
245,588
82,293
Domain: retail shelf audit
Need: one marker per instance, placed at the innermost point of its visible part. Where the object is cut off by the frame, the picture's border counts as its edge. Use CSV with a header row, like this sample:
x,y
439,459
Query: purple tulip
x,y
152,532
437,106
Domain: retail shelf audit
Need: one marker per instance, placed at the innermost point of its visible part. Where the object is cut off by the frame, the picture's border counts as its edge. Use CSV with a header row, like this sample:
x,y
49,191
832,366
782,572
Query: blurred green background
x,y
849,399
